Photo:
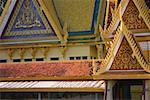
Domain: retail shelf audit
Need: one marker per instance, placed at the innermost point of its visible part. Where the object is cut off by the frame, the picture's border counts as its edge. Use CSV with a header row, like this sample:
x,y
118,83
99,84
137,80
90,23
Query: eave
x,y
122,75
52,90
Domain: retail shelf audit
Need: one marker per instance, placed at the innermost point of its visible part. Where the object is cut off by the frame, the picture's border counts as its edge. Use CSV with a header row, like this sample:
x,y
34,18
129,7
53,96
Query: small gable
x,y
132,18
27,21
124,59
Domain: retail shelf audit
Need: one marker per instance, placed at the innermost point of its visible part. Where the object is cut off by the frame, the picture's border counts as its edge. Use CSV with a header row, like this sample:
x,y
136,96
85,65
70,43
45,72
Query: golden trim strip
x,y
122,75
54,78
5,11
52,90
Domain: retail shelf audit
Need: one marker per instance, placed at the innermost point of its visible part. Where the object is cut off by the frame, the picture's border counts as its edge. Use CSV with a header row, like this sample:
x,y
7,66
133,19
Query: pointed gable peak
x,y
27,21
124,46
133,18
124,58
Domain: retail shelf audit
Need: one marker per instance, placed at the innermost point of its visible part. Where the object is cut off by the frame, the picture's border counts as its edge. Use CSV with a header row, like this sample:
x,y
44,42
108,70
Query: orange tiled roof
x,y
48,69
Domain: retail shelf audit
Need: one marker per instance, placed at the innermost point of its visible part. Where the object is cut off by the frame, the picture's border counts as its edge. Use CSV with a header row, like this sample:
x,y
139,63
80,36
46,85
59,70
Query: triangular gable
x,y
27,21
125,9
124,60
132,19
124,36
5,14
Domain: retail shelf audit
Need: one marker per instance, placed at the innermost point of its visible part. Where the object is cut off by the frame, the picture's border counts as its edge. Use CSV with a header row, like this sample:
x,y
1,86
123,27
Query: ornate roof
x,y
129,51
28,21
52,20
135,14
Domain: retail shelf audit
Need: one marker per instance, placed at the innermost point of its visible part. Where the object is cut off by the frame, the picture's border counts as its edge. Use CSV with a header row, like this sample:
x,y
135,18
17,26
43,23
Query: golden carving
x,y
21,52
65,33
110,14
33,52
26,15
124,59
45,51
28,18
10,53
132,19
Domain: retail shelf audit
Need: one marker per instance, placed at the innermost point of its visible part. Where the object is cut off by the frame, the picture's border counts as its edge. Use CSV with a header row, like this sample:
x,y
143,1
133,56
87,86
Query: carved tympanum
x,y
124,59
132,18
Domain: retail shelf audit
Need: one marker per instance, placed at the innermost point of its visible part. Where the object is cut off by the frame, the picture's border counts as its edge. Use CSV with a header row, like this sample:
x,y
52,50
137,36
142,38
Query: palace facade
x,y
74,49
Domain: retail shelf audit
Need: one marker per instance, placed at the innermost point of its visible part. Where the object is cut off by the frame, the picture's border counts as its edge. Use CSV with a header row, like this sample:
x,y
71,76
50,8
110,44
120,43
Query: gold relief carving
x,y
35,21
45,51
28,17
33,52
22,52
110,14
124,59
132,18
10,53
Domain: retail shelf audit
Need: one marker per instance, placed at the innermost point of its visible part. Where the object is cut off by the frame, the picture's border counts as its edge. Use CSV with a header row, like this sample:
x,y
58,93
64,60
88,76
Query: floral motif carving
x,y
125,59
132,18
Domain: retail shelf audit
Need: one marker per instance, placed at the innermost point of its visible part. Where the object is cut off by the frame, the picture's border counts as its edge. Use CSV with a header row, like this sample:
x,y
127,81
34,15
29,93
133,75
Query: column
x,y
147,89
109,93
39,96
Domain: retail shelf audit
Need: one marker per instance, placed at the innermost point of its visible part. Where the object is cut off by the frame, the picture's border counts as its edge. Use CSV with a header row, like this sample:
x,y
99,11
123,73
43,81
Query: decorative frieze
x,y
22,52
45,51
33,52
10,53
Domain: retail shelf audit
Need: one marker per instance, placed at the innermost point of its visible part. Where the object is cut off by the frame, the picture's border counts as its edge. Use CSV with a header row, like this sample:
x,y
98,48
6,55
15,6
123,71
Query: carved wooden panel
x,y
132,18
124,59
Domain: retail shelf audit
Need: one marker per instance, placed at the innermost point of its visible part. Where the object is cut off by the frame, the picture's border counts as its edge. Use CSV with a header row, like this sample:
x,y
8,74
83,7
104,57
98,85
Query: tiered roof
x,y
54,21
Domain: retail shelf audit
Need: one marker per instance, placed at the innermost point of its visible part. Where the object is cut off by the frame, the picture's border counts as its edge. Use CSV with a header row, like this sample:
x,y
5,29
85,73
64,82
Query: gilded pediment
x,y
133,19
27,21
124,59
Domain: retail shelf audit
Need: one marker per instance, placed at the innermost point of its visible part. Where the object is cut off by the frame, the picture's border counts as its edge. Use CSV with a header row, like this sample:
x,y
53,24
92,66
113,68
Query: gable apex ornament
x,y
121,33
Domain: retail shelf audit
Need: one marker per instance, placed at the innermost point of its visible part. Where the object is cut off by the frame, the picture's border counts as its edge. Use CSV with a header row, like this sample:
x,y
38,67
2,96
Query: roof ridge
x,y
110,51
116,17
